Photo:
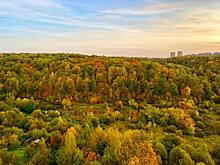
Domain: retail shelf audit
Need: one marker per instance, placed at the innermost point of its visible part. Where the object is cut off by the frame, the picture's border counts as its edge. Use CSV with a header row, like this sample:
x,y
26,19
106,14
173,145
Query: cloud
x,y
50,12
28,9
157,7
30,3
145,28
201,21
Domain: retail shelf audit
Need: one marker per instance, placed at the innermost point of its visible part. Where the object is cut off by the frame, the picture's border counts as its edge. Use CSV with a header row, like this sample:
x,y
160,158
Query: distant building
x,y
172,54
179,53
204,54
217,53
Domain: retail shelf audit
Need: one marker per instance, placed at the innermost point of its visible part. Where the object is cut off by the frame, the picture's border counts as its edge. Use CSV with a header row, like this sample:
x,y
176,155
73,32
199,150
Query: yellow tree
x,y
70,153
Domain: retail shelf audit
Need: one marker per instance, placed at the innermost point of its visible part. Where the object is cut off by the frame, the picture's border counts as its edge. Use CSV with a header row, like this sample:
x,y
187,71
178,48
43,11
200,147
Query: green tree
x,y
170,141
85,135
70,153
179,156
160,149
173,89
202,155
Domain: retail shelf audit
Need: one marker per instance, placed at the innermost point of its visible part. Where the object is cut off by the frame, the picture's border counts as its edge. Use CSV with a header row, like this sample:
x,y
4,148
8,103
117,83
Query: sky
x,y
143,28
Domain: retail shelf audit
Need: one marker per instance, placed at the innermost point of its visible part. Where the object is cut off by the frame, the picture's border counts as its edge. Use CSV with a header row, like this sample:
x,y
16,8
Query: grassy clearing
x,y
20,153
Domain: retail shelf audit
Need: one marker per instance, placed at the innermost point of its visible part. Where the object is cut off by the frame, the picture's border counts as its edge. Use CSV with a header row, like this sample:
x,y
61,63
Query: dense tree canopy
x,y
76,109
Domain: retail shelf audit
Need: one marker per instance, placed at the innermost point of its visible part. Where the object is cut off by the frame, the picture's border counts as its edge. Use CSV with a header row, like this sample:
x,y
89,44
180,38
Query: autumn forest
x,y
65,109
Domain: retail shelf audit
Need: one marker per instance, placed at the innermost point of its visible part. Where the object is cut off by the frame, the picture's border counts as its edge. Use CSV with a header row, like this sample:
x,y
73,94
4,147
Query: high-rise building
x,y
172,54
179,53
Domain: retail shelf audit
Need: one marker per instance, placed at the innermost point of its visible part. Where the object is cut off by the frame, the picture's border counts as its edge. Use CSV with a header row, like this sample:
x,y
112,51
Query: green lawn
x,y
20,155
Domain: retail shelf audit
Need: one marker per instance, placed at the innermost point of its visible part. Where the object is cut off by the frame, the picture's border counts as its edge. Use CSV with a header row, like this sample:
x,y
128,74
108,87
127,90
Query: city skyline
x,y
145,28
